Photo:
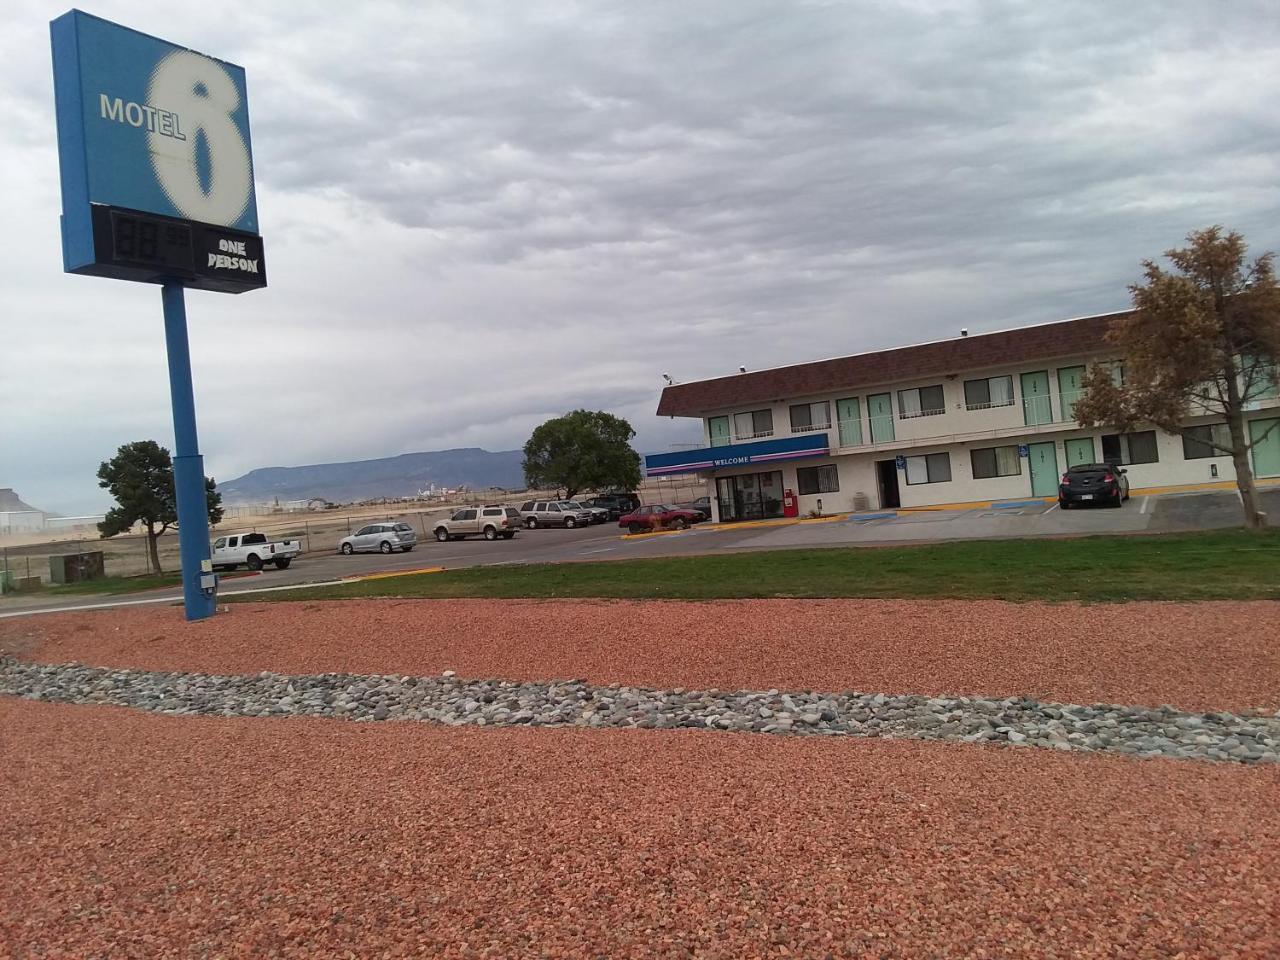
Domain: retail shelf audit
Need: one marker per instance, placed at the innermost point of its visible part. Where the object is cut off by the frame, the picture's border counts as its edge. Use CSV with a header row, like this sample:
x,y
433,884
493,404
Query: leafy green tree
x,y
140,478
585,449
1203,339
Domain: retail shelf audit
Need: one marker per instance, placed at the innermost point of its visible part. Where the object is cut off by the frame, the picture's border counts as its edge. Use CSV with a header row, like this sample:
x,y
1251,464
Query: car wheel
x,y
635,528
385,546
680,523
570,522
1119,500
1064,504
283,563
490,533
508,536
347,549
253,562
406,549
442,534
531,523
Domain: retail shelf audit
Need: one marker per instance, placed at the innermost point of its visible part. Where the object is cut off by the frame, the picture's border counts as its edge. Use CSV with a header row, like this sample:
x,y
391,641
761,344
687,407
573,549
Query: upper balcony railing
x,y
1037,410
758,435
850,433
913,414
811,428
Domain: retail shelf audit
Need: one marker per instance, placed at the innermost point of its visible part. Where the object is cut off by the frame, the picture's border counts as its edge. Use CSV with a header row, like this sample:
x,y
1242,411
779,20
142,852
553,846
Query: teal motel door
x,y
719,430
849,421
1079,450
1042,460
1037,407
1266,447
880,417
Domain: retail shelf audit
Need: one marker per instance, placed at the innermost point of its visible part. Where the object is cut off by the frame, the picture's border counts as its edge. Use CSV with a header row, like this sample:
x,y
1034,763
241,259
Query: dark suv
x,y
616,503
1093,483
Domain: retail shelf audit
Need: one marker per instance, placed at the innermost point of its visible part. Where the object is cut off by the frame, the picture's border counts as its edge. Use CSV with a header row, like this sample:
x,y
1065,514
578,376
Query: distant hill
x,y
10,501
401,476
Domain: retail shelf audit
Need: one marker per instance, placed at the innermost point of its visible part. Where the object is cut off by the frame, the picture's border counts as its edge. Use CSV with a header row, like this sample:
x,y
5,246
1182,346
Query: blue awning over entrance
x,y
737,454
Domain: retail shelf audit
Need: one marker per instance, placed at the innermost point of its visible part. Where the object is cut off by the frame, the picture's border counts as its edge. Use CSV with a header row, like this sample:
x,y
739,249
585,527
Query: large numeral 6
x,y
204,97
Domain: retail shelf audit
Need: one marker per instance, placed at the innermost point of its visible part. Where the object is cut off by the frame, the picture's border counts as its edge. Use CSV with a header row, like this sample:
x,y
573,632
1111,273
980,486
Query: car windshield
x,y
1089,467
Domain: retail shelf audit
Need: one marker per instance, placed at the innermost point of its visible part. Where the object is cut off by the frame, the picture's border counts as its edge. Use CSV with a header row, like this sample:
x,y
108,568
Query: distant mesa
x,y
10,502
402,476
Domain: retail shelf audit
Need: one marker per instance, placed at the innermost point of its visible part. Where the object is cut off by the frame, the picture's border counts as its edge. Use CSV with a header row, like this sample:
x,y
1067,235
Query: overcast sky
x,y
481,215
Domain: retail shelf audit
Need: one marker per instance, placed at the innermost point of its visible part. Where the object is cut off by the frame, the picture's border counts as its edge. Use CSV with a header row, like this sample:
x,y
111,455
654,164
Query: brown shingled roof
x,y
1025,344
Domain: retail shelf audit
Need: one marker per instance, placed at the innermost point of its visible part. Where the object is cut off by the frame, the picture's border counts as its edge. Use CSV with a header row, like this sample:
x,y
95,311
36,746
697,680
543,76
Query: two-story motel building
x,y
973,419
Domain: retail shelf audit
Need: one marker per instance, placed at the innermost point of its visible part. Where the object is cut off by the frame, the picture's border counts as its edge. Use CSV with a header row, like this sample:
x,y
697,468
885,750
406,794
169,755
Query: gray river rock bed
x,y
1140,731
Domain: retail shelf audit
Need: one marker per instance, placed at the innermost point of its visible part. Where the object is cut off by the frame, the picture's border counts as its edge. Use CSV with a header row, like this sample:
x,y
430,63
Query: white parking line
x,y
1051,509
587,553
1146,502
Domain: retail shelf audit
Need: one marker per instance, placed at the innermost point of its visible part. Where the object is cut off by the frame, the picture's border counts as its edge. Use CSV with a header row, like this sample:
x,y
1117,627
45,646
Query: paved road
x,y
1172,512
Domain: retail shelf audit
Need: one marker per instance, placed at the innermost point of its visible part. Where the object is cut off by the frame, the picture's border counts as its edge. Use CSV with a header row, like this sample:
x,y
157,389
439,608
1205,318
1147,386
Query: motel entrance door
x,y
750,496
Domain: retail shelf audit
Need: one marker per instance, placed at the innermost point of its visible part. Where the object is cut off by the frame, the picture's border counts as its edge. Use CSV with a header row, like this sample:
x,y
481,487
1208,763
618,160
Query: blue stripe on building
x,y
737,454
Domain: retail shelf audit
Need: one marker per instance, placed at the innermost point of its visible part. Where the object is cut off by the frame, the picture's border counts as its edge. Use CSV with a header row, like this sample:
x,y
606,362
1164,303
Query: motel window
x,y
996,462
1259,378
1127,448
1196,441
921,402
753,424
1116,369
810,416
988,392
931,468
823,479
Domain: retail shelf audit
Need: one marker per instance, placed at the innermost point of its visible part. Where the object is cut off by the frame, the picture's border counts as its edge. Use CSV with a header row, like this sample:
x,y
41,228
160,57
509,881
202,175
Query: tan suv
x,y
491,521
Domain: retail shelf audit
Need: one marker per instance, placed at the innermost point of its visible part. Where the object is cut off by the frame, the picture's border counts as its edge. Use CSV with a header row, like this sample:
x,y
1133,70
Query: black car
x,y
702,505
616,503
1093,483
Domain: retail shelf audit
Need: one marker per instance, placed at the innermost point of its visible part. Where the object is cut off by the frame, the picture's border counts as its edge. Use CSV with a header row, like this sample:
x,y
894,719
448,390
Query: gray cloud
x,y
604,192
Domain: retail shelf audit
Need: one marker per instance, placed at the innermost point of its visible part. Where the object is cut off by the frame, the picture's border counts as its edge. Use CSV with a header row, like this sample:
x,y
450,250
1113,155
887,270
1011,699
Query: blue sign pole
x,y
188,465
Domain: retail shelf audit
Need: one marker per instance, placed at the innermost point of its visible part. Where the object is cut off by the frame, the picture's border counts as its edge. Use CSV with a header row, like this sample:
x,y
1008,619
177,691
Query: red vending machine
x,y
790,505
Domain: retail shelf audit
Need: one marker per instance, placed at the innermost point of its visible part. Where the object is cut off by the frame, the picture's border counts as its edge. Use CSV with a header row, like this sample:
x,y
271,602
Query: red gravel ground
x,y
1201,656
130,834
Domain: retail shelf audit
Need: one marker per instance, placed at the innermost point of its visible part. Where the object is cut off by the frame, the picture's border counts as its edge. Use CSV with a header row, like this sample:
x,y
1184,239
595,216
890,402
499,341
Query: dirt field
x,y
130,833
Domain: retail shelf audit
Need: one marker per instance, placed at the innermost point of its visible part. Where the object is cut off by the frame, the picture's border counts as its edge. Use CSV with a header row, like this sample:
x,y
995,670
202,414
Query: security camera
x,y
742,369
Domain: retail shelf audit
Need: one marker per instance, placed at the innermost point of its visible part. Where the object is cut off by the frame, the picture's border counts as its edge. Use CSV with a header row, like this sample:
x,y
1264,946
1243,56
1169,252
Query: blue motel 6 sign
x,y
156,160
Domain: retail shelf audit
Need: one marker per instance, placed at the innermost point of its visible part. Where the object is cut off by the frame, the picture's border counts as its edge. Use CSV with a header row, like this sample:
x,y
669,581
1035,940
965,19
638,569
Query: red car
x,y
658,517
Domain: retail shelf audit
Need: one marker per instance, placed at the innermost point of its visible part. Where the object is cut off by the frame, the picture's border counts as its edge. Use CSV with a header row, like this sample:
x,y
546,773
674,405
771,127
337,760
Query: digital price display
x,y
132,245
146,240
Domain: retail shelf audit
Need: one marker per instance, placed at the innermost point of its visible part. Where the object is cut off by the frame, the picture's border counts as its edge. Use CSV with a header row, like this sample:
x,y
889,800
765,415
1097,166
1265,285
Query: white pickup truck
x,y
253,550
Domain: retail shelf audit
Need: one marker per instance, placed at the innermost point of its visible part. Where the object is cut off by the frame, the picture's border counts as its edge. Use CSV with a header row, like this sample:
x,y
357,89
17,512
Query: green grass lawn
x,y
112,585
1232,564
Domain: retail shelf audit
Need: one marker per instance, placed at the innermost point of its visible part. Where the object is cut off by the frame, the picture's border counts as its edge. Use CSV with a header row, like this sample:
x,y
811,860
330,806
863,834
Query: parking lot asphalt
x,y
1142,514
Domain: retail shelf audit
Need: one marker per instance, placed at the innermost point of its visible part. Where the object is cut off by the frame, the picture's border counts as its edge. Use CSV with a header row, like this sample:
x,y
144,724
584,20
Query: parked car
x,y
550,513
659,517
253,550
490,521
616,503
383,537
597,514
1093,483
702,505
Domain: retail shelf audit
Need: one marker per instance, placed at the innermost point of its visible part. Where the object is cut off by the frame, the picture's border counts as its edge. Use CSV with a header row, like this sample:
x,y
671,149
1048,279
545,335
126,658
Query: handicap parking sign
x,y
900,462
1022,450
